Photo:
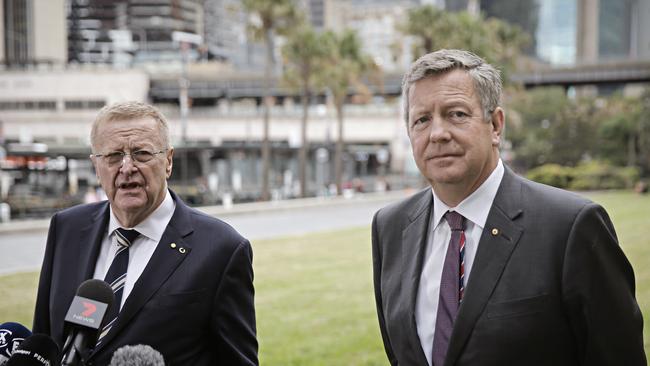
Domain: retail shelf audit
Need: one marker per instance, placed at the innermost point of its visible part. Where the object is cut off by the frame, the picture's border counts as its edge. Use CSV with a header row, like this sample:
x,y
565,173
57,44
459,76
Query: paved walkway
x,y
23,243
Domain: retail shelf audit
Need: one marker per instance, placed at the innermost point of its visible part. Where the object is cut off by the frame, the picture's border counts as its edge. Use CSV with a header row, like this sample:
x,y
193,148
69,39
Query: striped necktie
x,y
451,287
116,275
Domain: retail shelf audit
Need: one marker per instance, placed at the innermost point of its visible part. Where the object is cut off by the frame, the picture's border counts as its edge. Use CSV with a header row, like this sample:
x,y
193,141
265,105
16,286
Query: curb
x,y
240,208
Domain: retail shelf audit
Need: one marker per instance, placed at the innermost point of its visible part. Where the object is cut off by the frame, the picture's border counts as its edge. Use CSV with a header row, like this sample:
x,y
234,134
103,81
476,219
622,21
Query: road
x,y
23,250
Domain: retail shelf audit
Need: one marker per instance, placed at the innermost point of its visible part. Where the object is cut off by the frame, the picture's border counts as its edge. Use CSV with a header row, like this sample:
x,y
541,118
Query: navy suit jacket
x,y
549,284
196,307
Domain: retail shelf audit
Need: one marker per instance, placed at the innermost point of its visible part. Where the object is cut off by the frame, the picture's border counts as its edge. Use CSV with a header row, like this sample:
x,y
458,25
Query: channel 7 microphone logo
x,y
86,312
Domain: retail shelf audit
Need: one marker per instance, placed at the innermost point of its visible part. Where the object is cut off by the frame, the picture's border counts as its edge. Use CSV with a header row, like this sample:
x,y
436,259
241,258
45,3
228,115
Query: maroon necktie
x,y
451,289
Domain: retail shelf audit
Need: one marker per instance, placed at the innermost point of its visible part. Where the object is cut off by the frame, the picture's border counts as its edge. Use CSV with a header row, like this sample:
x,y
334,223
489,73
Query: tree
x,y
346,69
269,17
306,54
547,127
624,131
496,41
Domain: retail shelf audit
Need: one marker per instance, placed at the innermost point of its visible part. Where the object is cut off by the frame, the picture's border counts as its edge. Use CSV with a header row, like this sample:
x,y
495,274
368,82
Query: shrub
x,y
552,174
591,175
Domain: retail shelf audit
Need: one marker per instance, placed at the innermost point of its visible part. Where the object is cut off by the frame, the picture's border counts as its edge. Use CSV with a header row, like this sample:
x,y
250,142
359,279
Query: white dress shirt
x,y
141,250
475,208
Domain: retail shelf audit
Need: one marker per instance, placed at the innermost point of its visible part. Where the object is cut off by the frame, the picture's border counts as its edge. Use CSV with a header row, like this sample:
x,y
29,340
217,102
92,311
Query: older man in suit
x,y
183,281
485,267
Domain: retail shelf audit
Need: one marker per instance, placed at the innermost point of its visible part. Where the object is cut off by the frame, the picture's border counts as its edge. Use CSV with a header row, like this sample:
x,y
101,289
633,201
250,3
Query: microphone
x,y
36,350
85,319
11,335
138,355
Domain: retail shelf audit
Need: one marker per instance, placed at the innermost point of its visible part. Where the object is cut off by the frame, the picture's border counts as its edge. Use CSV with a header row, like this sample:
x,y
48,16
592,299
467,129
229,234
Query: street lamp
x,y
184,40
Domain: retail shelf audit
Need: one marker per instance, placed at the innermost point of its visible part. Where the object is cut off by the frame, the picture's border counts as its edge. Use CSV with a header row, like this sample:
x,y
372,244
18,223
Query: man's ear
x,y
170,161
498,122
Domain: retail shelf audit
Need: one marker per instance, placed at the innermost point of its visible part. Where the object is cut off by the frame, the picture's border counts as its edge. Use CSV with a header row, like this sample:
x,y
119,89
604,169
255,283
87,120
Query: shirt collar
x,y
154,225
476,206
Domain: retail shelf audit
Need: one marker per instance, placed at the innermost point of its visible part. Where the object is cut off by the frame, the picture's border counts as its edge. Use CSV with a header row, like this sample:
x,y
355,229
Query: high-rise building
x,y
225,35
376,23
31,34
103,31
568,32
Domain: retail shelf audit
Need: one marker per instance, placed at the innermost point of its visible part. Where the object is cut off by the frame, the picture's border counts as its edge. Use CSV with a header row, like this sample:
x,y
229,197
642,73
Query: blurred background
x,y
270,100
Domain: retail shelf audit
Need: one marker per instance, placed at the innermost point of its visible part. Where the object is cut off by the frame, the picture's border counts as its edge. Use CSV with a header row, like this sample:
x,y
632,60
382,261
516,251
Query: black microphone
x,y
138,355
36,350
85,319
11,335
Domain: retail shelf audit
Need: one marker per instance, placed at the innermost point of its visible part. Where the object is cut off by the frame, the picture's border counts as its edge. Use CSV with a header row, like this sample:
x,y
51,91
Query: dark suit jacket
x,y
552,287
196,308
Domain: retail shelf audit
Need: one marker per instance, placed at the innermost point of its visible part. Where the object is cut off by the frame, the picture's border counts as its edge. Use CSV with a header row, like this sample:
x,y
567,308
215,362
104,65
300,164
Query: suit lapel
x,y
162,264
498,240
414,240
90,240
86,248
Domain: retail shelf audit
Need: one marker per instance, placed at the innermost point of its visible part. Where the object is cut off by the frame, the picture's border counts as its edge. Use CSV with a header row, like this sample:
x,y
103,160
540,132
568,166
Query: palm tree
x,y
305,54
498,42
269,17
344,71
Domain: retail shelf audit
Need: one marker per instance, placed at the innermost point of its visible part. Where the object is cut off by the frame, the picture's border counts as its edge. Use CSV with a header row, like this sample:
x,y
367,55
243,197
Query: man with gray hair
x,y
485,267
182,280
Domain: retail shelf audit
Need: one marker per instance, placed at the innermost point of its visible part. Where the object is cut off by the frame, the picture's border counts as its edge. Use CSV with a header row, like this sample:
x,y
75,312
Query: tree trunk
x,y
303,139
338,154
266,146
631,150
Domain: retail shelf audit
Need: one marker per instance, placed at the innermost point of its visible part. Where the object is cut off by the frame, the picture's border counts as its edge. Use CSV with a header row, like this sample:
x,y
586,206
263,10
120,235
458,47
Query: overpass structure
x,y
230,86
611,73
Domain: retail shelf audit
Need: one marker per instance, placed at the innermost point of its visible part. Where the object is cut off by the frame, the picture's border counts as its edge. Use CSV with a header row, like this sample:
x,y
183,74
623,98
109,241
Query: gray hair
x,y
130,110
487,79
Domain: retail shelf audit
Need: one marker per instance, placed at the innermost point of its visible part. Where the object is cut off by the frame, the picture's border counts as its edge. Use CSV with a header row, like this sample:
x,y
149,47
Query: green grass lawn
x,y
314,292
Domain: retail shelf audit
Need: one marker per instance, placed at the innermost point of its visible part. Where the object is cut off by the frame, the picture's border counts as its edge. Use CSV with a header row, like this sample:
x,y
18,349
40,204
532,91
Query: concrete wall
x,y
82,84
50,32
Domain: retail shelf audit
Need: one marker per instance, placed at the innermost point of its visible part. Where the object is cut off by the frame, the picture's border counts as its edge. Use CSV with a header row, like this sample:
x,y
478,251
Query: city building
x,y
46,110
32,32
376,23
129,31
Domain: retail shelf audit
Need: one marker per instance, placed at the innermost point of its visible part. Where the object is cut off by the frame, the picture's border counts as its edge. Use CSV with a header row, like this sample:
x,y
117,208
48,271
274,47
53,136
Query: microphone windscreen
x,y
138,355
11,335
93,300
37,350
97,290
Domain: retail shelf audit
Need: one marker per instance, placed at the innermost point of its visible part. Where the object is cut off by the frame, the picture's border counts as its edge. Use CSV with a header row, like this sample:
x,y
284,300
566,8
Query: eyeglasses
x,y
117,157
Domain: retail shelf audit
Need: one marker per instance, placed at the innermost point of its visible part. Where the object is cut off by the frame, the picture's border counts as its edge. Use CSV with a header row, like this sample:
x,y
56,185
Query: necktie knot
x,y
125,237
456,221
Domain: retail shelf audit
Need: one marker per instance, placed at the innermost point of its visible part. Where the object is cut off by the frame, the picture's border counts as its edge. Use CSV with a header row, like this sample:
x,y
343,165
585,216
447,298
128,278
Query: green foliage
x,y
277,16
547,127
624,131
347,66
524,13
598,175
552,174
593,175
498,42
306,54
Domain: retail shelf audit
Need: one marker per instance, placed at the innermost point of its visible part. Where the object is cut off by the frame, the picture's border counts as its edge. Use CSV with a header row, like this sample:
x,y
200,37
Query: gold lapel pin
x,y
495,231
173,245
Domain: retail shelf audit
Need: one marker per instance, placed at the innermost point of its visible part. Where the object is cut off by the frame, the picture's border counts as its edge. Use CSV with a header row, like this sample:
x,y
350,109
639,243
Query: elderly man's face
x,y
134,188
452,142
